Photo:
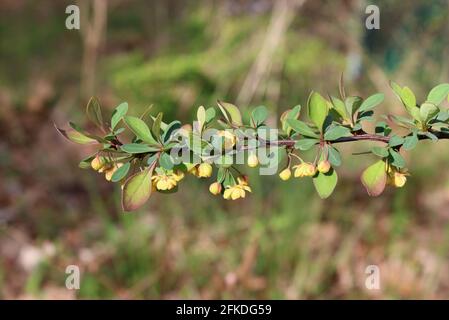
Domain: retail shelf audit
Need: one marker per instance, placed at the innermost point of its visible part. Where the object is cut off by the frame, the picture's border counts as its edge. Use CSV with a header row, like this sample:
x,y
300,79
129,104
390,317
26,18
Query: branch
x,y
361,137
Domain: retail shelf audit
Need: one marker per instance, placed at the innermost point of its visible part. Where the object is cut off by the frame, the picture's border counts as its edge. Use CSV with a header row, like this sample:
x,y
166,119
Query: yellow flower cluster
x,y
237,191
305,169
166,181
102,165
396,178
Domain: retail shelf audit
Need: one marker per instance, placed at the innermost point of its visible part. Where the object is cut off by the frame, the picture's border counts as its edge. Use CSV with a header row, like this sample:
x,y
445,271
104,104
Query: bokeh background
x,y
282,242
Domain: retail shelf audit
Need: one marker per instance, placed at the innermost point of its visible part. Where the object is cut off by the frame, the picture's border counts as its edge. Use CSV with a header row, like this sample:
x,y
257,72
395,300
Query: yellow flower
x,y
236,192
204,170
178,175
193,170
229,139
109,172
285,174
215,188
305,169
396,178
253,161
98,162
242,180
164,181
324,166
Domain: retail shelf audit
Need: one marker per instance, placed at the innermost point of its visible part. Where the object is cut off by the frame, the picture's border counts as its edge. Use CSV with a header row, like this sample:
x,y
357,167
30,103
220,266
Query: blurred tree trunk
x,y
93,31
282,16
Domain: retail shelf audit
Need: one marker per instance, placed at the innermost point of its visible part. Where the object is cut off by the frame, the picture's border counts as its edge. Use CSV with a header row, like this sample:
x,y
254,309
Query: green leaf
x,y
165,161
382,128
336,132
259,115
395,141
427,111
156,128
438,94
371,102
318,109
396,88
136,190
210,114
289,114
325,183
408,98
380,152
138,148
231,113
121,172
396,159
76,136
374,178
410,142
221,174
140,129
339,106
118,114
306,144
171,128
302,128
352,104
86,162
93,111
334,156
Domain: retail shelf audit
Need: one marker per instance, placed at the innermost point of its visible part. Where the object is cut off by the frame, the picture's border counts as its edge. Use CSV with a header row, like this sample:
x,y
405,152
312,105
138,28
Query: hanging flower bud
x,y
253,161
285,174
215,188
324,166
204,170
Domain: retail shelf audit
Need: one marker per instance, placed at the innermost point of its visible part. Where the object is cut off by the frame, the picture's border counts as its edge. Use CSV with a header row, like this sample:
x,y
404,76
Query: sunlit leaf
x,y
336,132
318,109
302,128
118,114
138,148
140,129
438,93
325,183
231,113
371,102
306,144
374,178
136,190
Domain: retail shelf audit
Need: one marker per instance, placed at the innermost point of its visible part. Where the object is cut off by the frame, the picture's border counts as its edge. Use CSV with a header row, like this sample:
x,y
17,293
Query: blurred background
x,y
282,242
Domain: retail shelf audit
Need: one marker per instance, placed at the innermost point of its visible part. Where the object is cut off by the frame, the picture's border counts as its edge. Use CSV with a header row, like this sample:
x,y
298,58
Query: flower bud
x,y
399,179
305,169
204,170
324,166
229,139
215,188
98,162
285,174
253,161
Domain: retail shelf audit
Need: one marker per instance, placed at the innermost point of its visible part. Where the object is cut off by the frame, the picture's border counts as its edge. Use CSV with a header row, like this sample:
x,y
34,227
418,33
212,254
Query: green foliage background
x,y
282,242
